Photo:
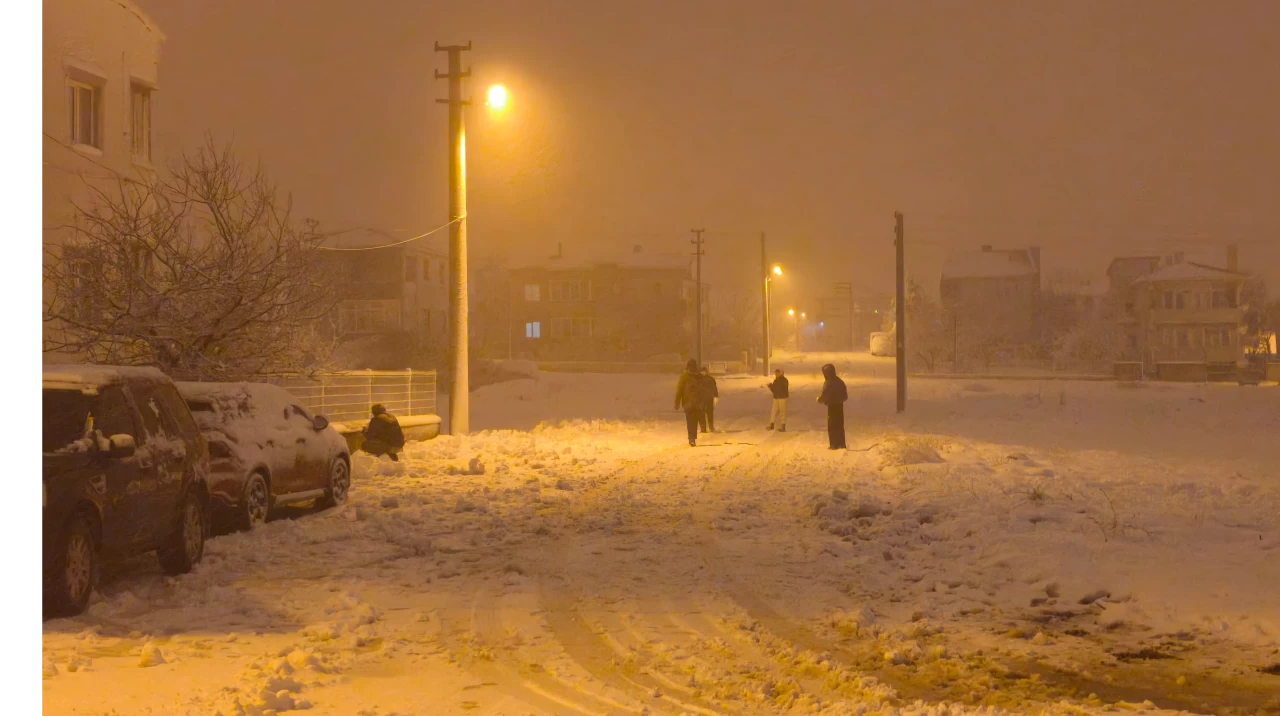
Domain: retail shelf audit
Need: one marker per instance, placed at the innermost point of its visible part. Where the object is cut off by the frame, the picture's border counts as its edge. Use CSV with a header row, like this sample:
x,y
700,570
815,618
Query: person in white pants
x,y
781,389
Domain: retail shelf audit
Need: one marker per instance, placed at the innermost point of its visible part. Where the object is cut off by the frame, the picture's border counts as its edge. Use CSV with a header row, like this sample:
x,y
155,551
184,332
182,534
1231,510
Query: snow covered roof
x,y
76,377
1131,259
1191,271
989,263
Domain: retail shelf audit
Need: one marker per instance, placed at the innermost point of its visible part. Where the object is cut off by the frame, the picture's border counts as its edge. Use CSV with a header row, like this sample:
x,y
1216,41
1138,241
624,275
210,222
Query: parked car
x,y
125,472
266,450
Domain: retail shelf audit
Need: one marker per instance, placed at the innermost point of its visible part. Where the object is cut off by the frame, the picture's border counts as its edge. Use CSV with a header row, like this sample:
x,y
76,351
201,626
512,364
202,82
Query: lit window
x,y
533,330
532,292
141,131
83,103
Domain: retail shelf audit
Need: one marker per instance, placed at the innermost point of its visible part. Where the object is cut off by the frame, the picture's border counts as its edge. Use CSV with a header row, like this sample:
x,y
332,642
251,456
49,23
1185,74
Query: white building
x,y
101,73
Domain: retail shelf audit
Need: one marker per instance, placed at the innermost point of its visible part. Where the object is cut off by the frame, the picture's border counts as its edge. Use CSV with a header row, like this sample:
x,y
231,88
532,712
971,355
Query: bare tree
x,y
737,317
204,274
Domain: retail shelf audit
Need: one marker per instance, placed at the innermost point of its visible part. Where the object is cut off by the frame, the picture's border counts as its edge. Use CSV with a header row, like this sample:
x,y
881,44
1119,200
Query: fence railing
x,y
348,395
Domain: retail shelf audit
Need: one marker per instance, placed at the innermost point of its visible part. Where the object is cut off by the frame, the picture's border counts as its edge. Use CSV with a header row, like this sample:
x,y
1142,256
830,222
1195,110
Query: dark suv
x,y
125,472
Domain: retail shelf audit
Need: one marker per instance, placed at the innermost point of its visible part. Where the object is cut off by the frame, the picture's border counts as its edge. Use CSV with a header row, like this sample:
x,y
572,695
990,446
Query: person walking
x,y
383,435
834,395
689,397
710,396
781,390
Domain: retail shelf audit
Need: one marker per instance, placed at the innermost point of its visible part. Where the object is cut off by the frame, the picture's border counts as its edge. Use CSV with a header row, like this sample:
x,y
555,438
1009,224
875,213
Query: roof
x,y
87,376
997,263
1190,271
1118,259
632,260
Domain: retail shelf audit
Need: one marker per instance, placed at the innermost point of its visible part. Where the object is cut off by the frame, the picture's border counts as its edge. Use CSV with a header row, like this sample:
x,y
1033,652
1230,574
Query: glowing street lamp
x,y
768,276
777,270
497,98
791,312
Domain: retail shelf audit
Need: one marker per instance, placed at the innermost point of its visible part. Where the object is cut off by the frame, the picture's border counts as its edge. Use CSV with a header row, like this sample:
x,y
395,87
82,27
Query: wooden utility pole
x,y
459,392
764,271
697,252
901,319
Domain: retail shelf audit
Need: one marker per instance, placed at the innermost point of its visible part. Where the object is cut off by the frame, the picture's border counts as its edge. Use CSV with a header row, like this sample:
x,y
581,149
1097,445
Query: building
x,y
992,289
396,292
1184,313
628,307
101,77
841,330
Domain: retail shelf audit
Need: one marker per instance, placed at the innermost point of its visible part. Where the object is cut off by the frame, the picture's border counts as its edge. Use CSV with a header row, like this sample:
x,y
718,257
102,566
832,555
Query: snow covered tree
x,y
204,274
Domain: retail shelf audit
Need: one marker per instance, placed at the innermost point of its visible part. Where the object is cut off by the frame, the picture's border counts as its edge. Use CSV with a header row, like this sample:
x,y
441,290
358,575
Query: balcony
x,y
1222,316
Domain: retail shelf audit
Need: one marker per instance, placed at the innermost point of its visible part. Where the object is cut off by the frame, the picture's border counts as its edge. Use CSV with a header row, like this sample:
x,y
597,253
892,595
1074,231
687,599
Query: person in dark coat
x,y
781,390
689,396
834,395
710,396
383,435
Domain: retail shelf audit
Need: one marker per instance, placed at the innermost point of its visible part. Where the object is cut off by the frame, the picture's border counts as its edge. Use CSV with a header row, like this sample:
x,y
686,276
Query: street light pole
x,y
764,269
459,393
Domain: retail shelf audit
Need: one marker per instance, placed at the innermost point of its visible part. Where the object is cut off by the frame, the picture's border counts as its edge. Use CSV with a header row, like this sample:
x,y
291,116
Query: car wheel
x,y
74,573
256,502
339,484
186,546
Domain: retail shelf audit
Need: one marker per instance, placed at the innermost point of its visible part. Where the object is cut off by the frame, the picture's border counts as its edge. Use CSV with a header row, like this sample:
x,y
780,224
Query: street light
x,y
497,98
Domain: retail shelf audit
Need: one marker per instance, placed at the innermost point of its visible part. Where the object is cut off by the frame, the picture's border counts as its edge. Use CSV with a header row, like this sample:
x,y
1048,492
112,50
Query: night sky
x,y
1093,129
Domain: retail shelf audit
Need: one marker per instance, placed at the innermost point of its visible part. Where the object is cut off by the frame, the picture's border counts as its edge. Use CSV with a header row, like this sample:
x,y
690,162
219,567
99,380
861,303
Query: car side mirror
x,y
121,446
319,422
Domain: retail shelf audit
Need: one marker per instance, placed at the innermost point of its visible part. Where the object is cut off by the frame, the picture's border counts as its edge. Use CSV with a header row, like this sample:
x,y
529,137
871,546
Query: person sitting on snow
x,y
383,435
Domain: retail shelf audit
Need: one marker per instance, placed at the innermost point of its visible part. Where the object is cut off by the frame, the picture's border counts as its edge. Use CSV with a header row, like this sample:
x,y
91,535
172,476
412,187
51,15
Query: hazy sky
x,y
1092,129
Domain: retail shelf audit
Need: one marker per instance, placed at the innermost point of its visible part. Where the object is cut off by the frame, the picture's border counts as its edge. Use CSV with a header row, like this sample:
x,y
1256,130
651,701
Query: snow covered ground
x,y
1019,546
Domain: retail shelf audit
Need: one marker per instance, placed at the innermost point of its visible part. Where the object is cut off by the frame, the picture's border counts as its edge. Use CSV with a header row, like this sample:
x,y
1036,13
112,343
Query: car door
x,y
121,483
163,458
312,463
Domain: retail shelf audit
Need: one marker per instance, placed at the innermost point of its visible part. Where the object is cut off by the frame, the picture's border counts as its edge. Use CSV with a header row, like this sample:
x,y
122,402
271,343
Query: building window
x,y
410,269
532,292
365,316
1223,298
84,103
426,320
1180,301
440,272
533,329
571,328
426,269
141,128
1217,337
570,290
1168,299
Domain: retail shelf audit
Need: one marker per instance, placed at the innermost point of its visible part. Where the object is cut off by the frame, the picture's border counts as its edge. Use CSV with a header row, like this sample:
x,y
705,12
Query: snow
x,y
77,377
1008,550
1001,263
1189,271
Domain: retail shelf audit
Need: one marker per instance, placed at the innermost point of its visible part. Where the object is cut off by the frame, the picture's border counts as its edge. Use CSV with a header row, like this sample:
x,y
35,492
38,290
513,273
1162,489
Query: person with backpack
x,y
834,395
383,435
689,396
710,396
781,390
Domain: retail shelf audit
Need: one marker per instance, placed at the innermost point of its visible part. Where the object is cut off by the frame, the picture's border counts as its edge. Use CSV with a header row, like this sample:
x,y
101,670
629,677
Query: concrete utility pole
x,y
459,393
901,319
764,271
847,288
697,252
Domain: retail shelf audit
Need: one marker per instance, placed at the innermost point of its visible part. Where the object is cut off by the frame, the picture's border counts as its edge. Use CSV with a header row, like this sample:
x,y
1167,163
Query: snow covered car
x,y
125,471
266,450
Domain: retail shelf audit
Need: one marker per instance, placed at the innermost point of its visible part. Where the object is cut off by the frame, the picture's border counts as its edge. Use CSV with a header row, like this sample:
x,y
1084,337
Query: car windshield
x,y
66,417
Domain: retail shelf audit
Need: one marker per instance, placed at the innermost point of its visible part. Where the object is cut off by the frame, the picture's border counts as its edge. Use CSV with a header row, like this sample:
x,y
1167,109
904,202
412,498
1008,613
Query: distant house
x,y
401,291
631,306
996,289
1180,312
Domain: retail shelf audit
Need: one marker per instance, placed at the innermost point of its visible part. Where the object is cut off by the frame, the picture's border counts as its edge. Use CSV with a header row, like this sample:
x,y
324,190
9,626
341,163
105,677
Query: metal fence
x,y
348,395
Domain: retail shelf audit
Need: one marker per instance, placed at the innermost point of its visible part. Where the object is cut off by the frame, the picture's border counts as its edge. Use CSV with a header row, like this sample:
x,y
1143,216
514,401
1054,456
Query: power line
x,y
387,246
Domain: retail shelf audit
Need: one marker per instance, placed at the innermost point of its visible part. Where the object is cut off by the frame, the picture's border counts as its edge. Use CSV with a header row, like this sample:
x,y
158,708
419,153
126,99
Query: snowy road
x,y
1006,544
